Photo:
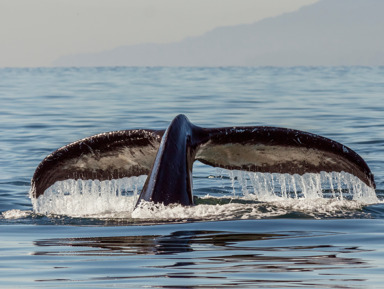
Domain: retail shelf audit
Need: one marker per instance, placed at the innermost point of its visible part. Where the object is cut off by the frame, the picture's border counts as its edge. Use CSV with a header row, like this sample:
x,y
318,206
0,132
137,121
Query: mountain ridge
x,y
328,32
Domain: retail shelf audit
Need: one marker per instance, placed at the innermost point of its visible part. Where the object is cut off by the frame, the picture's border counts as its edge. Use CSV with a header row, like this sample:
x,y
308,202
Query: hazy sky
x,y
36,32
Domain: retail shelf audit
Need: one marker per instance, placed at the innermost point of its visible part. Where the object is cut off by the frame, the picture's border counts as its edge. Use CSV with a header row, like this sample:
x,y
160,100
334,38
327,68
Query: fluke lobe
x,y
167,157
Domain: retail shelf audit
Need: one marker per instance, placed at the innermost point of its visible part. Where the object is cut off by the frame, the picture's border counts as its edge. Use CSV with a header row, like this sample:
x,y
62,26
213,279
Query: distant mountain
x,y
329,32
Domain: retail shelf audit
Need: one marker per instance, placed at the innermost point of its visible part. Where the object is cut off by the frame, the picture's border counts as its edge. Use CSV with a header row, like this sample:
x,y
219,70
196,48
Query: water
x,y
246,231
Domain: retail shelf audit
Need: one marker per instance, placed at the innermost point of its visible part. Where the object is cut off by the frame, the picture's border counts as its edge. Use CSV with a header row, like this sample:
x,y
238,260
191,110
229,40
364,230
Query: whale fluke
x,y
105,156
280,150
167,157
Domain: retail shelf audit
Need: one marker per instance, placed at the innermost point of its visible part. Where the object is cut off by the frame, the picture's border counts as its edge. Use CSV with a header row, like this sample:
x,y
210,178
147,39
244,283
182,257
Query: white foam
x,y
16,214
320,208
152,211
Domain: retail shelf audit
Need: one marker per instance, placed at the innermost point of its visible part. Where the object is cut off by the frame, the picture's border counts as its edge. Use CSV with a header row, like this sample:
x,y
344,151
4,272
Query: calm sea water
x,y
237,236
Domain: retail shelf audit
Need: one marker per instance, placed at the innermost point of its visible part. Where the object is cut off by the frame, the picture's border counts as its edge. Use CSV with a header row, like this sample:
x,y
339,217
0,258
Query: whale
x,y
167,157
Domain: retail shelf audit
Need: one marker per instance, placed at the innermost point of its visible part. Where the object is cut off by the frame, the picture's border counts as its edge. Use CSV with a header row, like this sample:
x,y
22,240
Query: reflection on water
x,y
222,257
177,242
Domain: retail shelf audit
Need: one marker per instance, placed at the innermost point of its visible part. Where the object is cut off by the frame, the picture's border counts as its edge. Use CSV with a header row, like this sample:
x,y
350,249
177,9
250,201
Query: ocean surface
x,y
245,231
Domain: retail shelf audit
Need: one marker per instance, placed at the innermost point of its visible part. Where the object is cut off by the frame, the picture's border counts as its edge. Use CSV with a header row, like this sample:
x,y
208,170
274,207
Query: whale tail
x,y
167,157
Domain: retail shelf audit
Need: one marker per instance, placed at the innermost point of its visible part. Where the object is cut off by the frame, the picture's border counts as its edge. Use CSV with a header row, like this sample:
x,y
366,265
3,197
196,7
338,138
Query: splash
x,y
249,195
243,195
78,198
238,209
273,187
15,214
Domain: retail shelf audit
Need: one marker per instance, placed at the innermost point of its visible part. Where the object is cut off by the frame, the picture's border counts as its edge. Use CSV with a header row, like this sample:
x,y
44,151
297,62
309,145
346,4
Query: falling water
x,y
90,197
270,187
117,198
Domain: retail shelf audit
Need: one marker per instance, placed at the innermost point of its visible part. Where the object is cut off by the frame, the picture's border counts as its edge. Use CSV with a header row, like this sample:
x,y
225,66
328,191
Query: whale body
x,y
167,157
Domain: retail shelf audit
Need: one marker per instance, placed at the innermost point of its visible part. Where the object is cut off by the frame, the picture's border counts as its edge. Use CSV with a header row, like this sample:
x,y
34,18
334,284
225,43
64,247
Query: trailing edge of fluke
x,y
167,157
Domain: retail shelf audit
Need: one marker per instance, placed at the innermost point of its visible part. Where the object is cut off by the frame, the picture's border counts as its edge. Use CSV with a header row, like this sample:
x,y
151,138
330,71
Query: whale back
x,y
170,179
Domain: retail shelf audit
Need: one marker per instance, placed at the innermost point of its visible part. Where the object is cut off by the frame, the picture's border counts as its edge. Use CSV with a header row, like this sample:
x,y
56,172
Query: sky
x,y
34,33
